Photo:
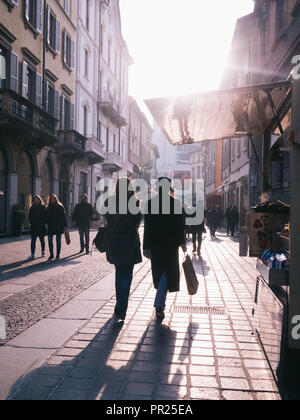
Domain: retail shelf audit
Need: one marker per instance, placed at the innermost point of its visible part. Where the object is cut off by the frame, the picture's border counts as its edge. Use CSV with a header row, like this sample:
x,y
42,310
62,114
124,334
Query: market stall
x,y
250,111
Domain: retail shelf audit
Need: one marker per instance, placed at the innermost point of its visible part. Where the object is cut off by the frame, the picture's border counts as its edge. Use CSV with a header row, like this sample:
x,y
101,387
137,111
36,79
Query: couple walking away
x,y
52,215
163,235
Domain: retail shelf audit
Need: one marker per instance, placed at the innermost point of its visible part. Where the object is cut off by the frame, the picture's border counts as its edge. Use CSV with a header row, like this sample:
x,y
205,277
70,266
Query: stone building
x,y
38,144
102,114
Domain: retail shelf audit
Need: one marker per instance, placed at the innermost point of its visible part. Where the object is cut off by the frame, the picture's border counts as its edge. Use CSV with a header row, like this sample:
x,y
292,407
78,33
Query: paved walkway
x,y
205,348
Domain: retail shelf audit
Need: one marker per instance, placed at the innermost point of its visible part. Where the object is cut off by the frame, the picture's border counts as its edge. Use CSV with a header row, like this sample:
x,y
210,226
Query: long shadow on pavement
x,y
93,375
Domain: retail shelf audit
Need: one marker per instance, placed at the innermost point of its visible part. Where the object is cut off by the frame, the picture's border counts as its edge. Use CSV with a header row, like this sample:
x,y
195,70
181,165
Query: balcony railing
x,y
24,119
71,144
110,107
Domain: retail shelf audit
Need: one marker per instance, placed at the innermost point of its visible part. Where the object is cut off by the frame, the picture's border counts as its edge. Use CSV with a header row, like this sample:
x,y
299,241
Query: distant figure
x,y
234,219
82,216
212,221
37,220
228,218
219,215
197,232
163,235
56,220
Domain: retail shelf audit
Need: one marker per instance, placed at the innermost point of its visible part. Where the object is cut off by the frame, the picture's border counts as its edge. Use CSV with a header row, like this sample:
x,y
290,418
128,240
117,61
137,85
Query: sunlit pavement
x,y
208,352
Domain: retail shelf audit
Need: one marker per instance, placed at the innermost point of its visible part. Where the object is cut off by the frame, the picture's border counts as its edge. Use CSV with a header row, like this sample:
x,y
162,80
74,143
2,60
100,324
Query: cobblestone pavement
x,y
31,290
194,354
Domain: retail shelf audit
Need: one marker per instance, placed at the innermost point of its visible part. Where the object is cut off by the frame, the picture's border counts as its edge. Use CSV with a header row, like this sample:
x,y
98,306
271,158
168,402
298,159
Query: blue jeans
x,y
162,291
124,275
58,244
33,243
84,233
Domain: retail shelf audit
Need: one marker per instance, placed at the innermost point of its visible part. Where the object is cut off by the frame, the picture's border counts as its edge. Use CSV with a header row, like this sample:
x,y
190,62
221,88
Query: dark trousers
x,y
212,229
33,243
124,274
84,234
232,228
197,236
58,244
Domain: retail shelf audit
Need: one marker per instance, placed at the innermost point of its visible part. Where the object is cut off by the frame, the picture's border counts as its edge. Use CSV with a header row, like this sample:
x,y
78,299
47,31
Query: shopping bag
x,y
67,237
99,240
190,276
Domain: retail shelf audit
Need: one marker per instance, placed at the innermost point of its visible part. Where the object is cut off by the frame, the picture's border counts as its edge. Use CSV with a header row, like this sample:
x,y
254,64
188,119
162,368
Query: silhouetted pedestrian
x,y
233,218
56,220
82,216
37,219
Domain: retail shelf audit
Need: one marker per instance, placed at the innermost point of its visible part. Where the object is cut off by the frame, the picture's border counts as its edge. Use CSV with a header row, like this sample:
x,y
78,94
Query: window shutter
x,y
56,105
62,112
38,89
72,116
39,8
64,47
26,6
57,38
13,82
24,90
48,24
72,54
46,97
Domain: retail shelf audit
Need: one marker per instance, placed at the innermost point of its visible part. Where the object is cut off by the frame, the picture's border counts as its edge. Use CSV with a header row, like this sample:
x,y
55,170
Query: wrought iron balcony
x,y
112,109
27,123
71,144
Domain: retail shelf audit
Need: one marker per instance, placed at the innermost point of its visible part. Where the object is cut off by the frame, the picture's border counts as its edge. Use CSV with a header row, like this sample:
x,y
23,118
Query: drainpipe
x,y
44,54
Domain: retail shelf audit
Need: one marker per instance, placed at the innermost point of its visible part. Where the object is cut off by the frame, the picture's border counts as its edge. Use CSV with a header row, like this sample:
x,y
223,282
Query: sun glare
x,y
178,46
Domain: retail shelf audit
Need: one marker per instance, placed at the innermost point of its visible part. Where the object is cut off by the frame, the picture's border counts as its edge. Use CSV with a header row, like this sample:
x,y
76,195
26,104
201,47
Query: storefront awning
x,y
219,114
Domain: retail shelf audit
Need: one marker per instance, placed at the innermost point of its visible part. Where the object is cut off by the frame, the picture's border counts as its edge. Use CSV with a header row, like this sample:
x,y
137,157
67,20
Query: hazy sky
x,y
178,46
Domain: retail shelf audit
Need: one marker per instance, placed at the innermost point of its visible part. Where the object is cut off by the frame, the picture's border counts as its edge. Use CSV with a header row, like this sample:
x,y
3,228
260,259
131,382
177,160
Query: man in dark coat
x,y
163,235
197,232
233,219
212,221
82,216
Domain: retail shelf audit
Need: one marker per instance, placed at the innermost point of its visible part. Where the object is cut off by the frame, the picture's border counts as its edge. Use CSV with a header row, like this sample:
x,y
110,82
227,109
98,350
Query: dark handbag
x,y
67,237
190,276
99,240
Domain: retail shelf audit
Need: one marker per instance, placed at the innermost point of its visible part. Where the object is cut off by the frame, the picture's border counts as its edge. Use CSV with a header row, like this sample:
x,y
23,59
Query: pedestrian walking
x,y
56,220
212,221
227,213
37,219
123,246
163,235
219,216
82,216
234,219
197,232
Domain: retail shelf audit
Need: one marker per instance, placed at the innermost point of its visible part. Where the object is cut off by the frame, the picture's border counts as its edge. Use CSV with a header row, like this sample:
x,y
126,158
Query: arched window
x,y
3,191
46,181
25,183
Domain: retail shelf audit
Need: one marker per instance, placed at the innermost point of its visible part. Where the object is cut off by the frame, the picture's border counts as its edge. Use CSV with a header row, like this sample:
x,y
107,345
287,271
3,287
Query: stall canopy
x,y
219,114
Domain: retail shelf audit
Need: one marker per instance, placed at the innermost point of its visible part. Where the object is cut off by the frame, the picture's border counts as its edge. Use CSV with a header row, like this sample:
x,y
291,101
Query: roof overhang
x,y
220,114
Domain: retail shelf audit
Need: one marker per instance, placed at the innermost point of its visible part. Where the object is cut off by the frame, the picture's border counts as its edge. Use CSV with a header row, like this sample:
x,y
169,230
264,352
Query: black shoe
x,y
87,253
57,258
119,317
50,258
81,251
160,314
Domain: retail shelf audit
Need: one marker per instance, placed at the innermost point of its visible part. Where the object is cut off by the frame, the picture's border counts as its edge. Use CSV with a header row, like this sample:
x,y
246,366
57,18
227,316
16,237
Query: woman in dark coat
x,y
56,221
37,220
123,247
163,235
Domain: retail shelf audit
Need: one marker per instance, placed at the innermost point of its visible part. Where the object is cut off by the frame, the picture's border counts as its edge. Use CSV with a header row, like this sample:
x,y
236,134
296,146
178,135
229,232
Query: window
x,y
85,120
82,185
31,84
51,100
53,31
33,14
87,15
67,7
67,114
3,68
86,63
280,13
69,51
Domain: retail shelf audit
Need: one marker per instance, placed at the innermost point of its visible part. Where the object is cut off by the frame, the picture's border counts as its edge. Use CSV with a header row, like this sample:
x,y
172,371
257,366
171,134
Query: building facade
x,y
102,112
38,143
